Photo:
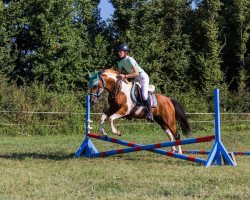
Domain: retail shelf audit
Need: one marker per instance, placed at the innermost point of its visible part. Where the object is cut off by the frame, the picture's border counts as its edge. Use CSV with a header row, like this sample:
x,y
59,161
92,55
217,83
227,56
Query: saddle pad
x,y
153,100
136,96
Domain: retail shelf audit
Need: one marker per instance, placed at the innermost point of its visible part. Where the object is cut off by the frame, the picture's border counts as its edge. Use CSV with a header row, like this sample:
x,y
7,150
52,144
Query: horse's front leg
x,y
120,113
101,125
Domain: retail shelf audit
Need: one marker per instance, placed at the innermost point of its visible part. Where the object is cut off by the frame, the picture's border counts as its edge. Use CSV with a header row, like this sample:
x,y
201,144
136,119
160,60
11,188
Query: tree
x,y
1,35
155,33
52,42
206,46
235,26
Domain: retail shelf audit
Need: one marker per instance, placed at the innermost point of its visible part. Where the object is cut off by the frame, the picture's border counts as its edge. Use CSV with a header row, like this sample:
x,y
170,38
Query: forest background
x,y
46,48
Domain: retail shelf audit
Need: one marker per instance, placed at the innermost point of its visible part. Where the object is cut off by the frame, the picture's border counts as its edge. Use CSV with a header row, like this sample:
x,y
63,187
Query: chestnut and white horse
x,y
167,112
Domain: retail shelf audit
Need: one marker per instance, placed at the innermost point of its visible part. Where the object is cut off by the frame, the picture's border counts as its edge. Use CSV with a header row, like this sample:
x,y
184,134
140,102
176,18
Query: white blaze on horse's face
x,y
96,93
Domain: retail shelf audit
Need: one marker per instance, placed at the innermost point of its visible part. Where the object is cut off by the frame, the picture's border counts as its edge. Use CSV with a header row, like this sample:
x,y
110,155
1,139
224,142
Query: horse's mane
x,y
112,71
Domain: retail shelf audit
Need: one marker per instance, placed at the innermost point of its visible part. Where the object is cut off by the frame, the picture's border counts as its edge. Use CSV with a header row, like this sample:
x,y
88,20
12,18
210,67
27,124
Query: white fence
x,y
246,116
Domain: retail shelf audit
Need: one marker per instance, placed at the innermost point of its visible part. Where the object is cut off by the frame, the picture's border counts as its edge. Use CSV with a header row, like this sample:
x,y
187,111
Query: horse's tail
x,y
181,116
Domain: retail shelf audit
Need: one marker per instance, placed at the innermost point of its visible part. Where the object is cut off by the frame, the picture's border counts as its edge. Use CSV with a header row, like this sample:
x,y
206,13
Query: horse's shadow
x,y
49,156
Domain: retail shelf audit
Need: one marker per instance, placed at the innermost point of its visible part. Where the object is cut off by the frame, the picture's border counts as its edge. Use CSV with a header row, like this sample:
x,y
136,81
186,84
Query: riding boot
x,y
147,104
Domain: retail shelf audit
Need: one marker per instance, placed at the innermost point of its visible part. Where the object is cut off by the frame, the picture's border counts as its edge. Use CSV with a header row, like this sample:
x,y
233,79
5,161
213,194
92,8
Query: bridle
x,y
114,90
99,90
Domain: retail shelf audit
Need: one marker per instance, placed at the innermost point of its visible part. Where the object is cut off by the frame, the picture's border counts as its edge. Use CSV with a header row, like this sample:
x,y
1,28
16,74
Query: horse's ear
x,y
89,74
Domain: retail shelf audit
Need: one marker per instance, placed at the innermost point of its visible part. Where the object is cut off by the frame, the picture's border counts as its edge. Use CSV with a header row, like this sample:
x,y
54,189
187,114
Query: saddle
x,y
137,96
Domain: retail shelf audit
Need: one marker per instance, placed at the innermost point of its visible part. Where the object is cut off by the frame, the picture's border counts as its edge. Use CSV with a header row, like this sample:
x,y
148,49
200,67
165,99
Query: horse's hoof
x,y
119,133
104,133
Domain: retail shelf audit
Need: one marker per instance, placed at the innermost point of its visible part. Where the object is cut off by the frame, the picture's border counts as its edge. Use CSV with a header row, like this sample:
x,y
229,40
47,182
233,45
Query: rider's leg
x,y
147,104
144,81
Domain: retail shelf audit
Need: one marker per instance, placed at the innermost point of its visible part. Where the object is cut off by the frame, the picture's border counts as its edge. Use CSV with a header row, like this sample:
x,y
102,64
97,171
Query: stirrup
x,y
150,118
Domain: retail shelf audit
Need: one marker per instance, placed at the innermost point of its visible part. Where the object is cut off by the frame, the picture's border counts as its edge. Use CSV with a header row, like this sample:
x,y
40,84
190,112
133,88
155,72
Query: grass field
x,y
43,167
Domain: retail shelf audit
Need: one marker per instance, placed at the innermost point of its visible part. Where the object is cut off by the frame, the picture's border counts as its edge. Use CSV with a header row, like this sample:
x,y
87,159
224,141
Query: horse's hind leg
x,y
171,138
170,130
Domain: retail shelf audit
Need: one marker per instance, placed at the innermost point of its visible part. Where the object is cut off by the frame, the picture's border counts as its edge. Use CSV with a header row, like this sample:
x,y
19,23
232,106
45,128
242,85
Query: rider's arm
x,y
134,74
119,70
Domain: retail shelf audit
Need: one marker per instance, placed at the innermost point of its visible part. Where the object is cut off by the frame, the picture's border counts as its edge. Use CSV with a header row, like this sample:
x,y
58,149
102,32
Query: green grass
x,y
43,167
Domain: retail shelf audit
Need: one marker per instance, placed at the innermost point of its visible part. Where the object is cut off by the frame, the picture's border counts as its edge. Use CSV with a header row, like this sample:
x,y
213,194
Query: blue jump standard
x,y
87,146
218,151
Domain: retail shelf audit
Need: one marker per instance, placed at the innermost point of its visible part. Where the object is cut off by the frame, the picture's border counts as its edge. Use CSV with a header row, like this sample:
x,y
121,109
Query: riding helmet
x,y
123,47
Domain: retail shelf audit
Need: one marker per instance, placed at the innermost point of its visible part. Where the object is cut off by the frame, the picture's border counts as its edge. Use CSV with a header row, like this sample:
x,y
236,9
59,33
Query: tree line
x,y
182,48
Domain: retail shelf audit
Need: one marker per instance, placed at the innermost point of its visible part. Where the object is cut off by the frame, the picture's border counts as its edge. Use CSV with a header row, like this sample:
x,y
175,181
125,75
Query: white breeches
x,y
143,79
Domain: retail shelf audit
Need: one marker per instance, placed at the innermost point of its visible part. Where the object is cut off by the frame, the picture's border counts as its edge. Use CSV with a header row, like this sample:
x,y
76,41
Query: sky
x,y
106,9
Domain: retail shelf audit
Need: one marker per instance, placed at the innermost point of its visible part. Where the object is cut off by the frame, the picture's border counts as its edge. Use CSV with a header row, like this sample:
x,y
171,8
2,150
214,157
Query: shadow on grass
x,y
22,156
167,161
135,158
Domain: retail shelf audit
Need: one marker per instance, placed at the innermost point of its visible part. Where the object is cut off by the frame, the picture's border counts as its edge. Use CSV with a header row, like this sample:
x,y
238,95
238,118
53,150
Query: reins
x,y
115,89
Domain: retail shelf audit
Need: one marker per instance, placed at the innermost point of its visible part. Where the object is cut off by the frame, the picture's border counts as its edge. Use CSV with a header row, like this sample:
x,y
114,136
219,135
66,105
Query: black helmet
x,y
123,47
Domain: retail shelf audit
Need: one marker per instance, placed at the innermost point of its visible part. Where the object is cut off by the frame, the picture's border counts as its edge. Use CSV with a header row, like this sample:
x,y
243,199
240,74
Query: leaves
x,y
56,42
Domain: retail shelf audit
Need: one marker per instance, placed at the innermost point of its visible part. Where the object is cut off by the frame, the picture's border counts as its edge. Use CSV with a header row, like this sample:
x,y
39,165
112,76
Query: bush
x,y
36,110
30,110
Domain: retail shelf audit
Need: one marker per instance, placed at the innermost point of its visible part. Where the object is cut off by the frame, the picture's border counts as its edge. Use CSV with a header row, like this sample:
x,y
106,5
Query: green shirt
x,y
127,64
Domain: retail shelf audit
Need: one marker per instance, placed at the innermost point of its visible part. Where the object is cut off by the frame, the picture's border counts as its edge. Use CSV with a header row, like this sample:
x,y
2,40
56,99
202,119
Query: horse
x,y
167,112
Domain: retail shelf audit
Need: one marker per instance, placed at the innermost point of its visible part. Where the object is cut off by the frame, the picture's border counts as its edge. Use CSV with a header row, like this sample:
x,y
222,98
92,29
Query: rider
x,y
133,70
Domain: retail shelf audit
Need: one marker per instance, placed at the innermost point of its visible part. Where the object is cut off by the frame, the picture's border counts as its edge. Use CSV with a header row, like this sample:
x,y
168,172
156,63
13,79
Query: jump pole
x,y
151,147
205,152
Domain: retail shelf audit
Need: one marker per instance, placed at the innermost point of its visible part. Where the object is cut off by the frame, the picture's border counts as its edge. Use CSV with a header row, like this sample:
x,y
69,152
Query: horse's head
x,y
100,81
97,86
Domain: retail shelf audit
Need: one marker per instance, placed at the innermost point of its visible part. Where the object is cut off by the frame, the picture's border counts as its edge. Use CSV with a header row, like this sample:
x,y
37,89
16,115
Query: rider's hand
x,y
122,76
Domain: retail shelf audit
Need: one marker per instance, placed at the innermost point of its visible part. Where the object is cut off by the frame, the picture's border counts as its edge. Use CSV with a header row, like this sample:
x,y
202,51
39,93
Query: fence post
x,y
87,147
218,151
